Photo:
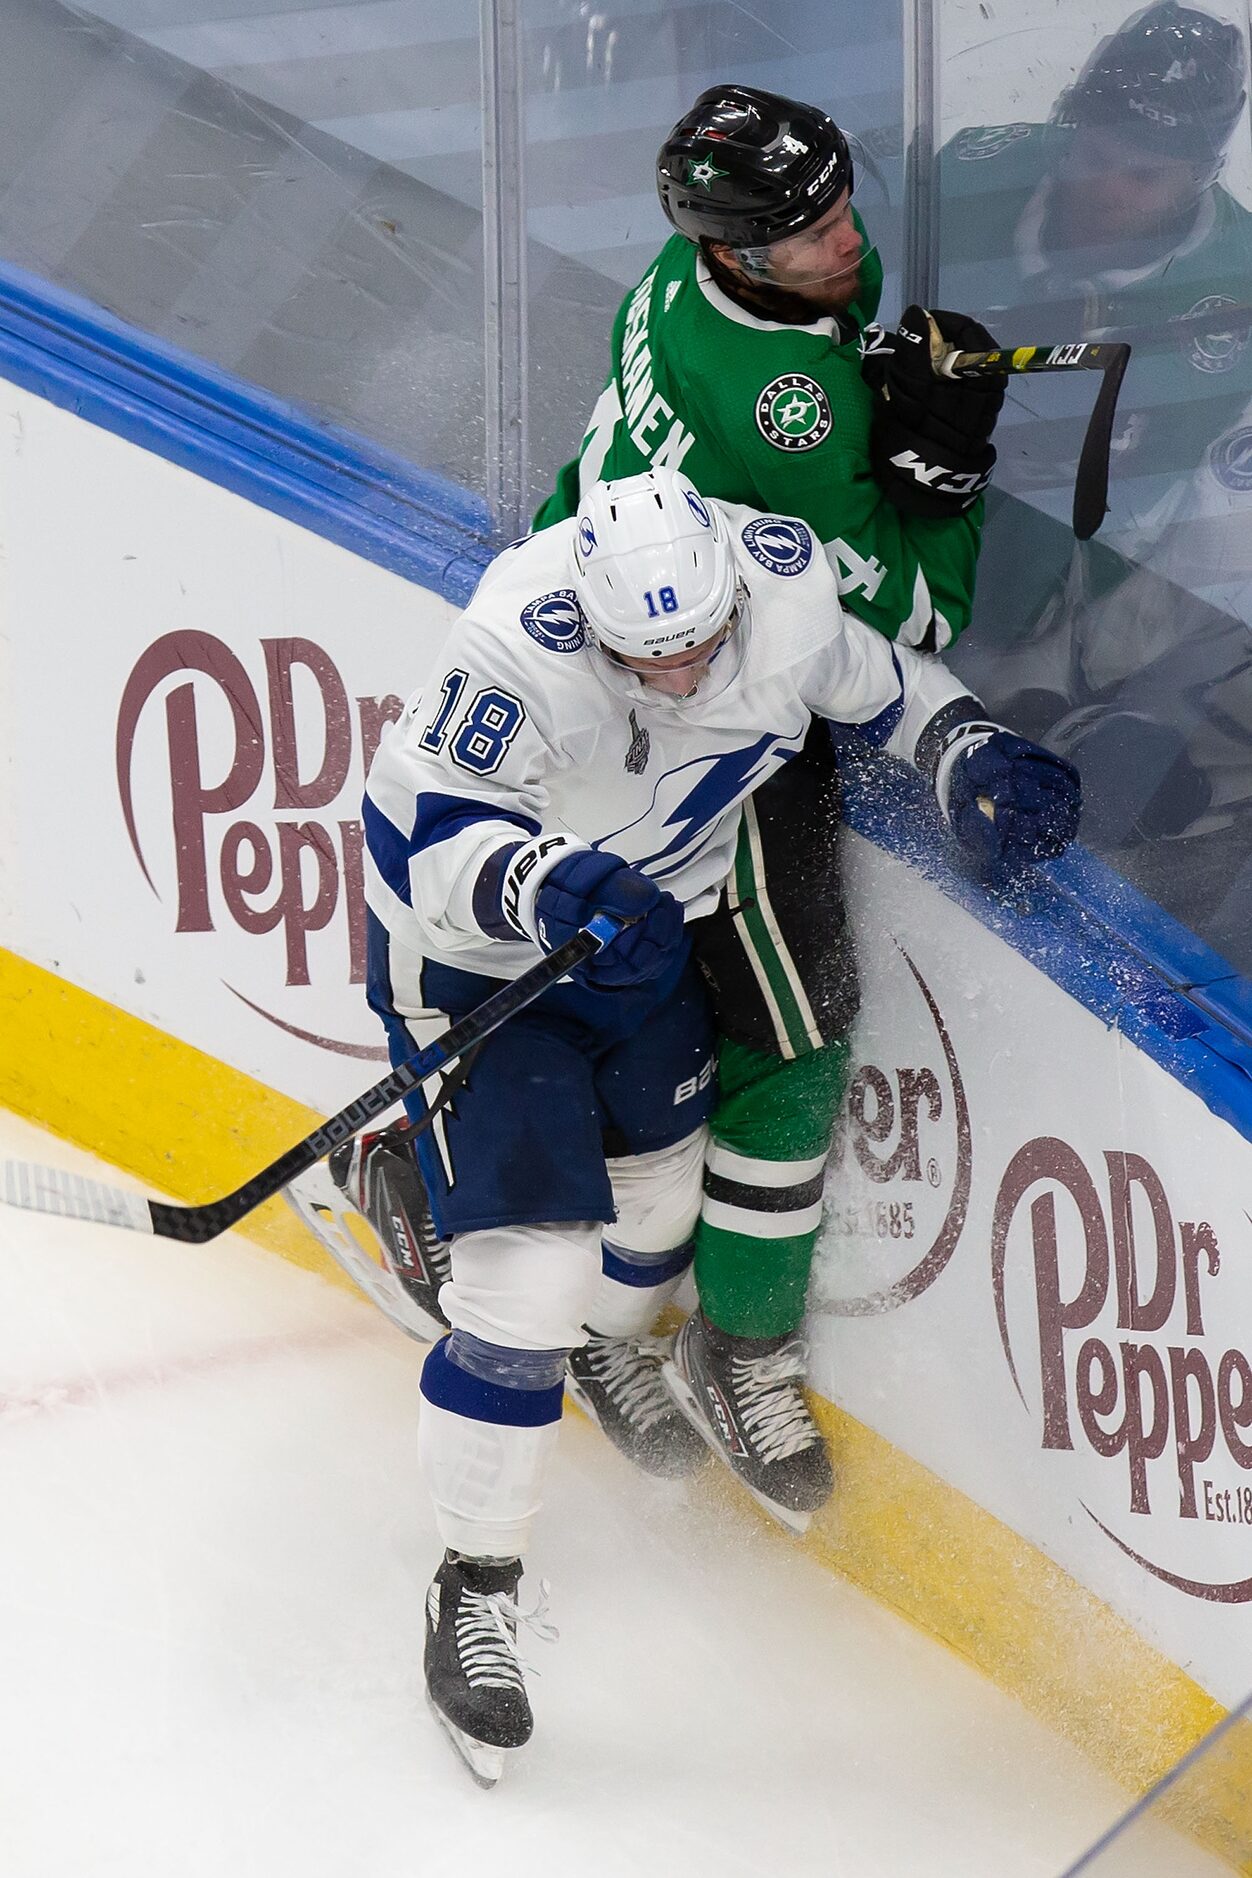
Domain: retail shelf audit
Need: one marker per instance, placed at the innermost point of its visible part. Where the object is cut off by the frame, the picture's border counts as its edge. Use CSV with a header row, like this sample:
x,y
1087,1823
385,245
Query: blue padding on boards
x,y
452,1388
1115,952
338,485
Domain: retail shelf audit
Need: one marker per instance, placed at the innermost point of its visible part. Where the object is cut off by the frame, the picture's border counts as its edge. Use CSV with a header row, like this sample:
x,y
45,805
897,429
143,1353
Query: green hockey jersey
x,y
776,416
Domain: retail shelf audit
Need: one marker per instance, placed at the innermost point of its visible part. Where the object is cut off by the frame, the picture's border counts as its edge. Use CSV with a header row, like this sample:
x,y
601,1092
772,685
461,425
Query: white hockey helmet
x,y
653,566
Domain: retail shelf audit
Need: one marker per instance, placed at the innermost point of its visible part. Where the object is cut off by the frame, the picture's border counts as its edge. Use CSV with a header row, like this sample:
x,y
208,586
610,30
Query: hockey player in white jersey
x,y
614,692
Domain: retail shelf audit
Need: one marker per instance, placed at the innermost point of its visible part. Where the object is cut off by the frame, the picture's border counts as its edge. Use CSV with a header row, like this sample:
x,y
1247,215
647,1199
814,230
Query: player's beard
x,y
838,294
1080,215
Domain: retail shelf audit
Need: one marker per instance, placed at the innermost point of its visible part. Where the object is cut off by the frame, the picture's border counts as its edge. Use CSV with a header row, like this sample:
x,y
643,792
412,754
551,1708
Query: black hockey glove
x,y
930,443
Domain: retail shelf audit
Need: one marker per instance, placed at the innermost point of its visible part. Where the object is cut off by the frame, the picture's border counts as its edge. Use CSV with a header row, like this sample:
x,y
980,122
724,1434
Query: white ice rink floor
x,y
212,1574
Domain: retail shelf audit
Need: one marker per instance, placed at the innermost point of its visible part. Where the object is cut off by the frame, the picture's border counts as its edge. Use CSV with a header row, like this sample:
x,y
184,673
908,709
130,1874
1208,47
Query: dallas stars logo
x,y
798,413
793,412
704,173
1217,347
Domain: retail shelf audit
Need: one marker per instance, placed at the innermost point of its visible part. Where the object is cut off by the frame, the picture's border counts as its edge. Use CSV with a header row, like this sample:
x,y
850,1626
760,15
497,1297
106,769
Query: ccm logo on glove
x,y
937,476
930,440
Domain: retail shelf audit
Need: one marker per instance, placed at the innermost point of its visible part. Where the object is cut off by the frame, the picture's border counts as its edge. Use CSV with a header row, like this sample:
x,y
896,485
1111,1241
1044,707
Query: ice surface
x,y
215,1550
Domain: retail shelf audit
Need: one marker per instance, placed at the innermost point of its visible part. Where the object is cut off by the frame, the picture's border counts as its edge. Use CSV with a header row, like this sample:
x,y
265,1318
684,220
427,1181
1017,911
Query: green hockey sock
x,y
763,1184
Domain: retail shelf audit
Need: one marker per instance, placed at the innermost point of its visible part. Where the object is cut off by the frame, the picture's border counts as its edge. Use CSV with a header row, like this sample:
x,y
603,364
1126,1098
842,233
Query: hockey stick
x,y
1091,485
52,1190
1078,355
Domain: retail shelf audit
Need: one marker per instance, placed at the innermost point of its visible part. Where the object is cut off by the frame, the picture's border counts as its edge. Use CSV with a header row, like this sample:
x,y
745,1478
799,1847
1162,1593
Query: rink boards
x,y
1032,1310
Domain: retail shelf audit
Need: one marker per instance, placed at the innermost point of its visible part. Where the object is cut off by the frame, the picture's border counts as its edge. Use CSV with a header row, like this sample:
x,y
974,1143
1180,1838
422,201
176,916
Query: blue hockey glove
x,y
1034,799
588,882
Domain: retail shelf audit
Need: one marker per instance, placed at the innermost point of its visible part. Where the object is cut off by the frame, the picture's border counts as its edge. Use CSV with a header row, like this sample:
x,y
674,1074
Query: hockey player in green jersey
x,y
743,356
738,358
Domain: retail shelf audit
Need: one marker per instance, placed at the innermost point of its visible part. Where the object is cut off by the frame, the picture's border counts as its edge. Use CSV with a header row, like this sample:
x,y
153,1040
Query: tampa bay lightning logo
x,y
697,508
690,800
586,535
556,621
782,546
1231,460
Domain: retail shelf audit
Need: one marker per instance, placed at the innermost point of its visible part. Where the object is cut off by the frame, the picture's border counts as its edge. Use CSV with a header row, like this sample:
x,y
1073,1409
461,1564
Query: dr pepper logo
x,y
253,771
897,1200
1116,1332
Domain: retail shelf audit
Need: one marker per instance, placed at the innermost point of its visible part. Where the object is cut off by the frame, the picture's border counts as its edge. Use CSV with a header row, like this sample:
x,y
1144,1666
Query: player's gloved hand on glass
x,y
1011,803
930,442
588,881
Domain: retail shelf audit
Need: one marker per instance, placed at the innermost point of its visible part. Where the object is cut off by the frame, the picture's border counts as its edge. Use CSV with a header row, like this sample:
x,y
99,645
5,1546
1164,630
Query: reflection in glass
x,y
1117,209
253,189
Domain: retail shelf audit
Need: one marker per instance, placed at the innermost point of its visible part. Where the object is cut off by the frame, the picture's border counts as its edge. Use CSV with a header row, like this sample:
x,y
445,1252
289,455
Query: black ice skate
x,y
746,1397
618,1381
378,1174
474,1680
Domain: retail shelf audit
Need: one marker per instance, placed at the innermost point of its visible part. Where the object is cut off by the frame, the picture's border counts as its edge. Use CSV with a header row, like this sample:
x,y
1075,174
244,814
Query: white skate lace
x,y
630,1369
486,1636
771,1404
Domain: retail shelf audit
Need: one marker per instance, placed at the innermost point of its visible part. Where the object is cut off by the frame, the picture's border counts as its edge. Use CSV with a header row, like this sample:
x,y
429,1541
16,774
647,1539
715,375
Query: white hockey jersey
x,y
532,741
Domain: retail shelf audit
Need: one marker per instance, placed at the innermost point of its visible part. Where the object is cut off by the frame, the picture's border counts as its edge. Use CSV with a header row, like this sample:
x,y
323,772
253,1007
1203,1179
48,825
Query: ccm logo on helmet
x,y
824,177
782,546
556,621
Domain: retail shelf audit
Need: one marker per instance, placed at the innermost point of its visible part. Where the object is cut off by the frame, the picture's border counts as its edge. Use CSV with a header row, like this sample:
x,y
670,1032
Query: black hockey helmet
x,y
1171,80
749,167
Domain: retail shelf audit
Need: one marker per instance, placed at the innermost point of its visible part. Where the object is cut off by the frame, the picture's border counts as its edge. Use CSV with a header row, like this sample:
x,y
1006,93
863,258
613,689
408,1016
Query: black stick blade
x,y
1091,485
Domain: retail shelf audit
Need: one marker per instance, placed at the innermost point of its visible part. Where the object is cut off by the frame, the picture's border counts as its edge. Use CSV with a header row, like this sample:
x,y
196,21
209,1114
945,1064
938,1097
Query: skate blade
x,y
324,1210
485,1763
785,1516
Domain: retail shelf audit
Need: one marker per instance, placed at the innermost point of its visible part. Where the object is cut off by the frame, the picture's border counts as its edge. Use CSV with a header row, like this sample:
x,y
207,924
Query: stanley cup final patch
x,y
793,412
640,748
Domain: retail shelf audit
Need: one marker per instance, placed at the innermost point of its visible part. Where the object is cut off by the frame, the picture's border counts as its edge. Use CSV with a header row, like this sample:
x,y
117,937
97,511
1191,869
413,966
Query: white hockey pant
x,y
518,1300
